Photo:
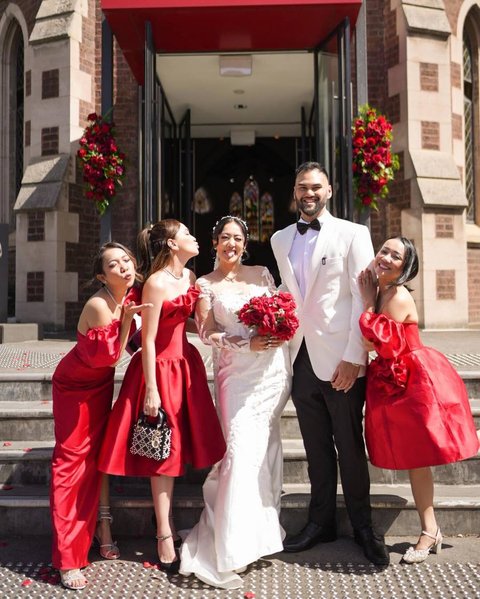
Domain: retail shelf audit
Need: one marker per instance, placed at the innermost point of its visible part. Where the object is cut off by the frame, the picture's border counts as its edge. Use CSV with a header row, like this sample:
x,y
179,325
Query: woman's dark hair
x,y
220,225
410,262
97,263
153,246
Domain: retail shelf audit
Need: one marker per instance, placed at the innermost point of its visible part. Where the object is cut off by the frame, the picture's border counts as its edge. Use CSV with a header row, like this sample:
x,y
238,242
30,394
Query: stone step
x,y
23,420
36,386
28,462
33,420
23,509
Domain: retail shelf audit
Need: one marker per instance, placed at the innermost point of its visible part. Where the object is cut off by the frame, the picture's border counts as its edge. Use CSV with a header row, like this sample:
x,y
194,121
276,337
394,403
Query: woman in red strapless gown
x,y
168,372
82,398
417,408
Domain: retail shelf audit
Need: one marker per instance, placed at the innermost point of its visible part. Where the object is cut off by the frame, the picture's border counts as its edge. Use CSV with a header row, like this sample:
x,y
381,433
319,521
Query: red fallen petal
x,y
6,487
46,401
26,583
7,444
249,595
27,449
148,565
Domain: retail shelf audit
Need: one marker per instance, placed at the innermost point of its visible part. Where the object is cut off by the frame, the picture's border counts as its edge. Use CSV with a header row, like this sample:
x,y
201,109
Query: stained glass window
x,y
236,205
266,217
258,212
251,195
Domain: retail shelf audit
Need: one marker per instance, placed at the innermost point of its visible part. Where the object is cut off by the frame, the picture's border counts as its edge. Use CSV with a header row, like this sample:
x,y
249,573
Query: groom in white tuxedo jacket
x,y
319,259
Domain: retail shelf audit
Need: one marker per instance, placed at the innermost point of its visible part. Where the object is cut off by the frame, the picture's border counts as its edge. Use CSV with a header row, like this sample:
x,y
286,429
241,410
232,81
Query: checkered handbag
x,y
152,440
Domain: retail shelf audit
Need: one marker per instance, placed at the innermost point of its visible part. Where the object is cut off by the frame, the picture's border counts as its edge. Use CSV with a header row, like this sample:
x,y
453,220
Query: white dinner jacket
x,y
332,305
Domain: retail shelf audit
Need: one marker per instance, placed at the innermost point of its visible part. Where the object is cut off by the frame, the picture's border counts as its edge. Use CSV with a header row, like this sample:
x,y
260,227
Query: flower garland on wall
x,y
374,164
102,163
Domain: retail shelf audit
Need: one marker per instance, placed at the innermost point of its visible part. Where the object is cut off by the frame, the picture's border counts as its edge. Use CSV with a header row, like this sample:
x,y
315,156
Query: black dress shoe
x,y
308,537
373,546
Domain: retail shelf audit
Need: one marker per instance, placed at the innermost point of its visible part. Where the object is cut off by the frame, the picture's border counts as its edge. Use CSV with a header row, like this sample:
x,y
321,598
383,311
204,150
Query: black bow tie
x,y
302,227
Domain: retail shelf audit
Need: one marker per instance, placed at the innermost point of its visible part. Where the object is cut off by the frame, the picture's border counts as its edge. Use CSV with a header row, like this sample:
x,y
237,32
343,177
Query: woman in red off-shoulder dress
x,y
417,408
82,399
167,373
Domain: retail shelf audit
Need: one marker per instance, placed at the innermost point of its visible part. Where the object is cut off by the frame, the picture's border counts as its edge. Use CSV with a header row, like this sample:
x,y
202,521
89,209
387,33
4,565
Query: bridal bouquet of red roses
x,y
271,315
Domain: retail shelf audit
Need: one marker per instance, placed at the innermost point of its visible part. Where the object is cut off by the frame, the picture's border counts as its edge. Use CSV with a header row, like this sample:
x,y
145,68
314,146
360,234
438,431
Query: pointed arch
x,y
14,38
471,103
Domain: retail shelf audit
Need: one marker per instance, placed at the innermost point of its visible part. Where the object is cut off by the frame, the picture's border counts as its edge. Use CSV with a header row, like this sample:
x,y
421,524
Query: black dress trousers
x,y
331,422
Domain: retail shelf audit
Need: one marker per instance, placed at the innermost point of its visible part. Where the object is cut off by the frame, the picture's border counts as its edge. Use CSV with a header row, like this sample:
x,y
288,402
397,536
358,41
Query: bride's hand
x,y
264,342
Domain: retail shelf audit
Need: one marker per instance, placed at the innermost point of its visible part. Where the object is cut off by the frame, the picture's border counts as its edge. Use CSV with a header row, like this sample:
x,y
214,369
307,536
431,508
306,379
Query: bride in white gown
x,y
240,521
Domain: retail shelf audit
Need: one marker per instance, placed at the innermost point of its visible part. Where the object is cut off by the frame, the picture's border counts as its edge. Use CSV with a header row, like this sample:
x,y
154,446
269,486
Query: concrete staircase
x,y
26,442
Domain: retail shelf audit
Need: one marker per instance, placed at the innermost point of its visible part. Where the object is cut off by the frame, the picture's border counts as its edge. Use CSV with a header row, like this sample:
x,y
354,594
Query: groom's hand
x,y
345,376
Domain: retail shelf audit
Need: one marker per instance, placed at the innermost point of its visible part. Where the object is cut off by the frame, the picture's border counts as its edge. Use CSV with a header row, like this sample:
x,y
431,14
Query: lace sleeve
x,y
208,329
267,276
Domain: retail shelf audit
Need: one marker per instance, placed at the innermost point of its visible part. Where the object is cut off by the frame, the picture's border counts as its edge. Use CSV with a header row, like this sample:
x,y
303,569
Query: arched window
x,y
12,103
13,75
471,116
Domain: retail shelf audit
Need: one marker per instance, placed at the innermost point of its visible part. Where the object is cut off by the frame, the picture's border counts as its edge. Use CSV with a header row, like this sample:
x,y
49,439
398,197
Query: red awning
x,y
189,26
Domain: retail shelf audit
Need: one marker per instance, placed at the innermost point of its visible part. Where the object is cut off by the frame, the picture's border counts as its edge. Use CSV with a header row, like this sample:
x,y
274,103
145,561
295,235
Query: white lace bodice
x,y
217,318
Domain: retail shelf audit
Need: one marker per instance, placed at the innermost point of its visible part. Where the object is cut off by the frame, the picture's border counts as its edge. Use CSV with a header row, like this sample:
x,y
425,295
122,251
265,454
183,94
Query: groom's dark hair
x,y
310,166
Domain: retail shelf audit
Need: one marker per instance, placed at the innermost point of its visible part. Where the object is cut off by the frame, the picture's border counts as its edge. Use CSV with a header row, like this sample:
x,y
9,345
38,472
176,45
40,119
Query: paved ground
x,y
462,347
331,571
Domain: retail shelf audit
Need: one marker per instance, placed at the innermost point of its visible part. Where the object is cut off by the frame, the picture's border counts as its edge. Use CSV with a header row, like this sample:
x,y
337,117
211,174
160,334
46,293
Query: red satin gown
x,y
197,437
82,399
417,409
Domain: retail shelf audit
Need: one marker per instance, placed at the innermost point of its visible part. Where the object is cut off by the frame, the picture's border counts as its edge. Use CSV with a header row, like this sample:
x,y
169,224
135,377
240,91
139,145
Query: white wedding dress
x,y
240,521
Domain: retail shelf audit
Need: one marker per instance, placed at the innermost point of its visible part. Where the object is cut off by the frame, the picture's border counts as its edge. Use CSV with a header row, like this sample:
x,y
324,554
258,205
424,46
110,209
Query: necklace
x,y
173,274
117,305
229,279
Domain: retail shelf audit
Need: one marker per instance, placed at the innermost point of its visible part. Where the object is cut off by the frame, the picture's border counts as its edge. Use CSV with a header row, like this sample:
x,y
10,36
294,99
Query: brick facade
x,y
430,135
444,225
473,255
428,77
36,226
50,84
35,286
445,283
50,141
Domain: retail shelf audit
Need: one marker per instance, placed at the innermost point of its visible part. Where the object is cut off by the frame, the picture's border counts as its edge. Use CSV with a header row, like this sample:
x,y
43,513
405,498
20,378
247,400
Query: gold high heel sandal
x,y
106,550
417,556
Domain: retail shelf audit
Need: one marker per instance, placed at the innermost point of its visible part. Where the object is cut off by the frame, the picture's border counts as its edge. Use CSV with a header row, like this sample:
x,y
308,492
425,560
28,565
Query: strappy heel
x,y
106,550
68,577
168,567
416,556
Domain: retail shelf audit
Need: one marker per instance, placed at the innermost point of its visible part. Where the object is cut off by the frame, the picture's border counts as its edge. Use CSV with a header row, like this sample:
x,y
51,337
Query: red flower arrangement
x,y
271,315
374,163
103,164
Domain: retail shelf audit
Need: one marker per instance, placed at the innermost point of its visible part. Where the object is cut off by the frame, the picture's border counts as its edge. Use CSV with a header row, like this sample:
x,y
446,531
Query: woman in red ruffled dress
x,y
417,408
82,399
168,372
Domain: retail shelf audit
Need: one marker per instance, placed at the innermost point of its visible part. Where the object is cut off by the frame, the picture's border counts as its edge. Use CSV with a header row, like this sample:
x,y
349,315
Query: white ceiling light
x,y
236,65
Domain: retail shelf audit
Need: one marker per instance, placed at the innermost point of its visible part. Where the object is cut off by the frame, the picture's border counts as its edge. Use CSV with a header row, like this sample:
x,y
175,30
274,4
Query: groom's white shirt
x,y
326,291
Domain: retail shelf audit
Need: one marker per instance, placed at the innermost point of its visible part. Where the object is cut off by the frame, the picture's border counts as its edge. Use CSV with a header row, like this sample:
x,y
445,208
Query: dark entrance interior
x,y
222,172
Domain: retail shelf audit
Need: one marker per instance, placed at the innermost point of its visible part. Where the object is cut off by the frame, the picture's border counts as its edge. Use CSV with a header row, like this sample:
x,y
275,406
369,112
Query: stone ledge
x,y
426,20
16,332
